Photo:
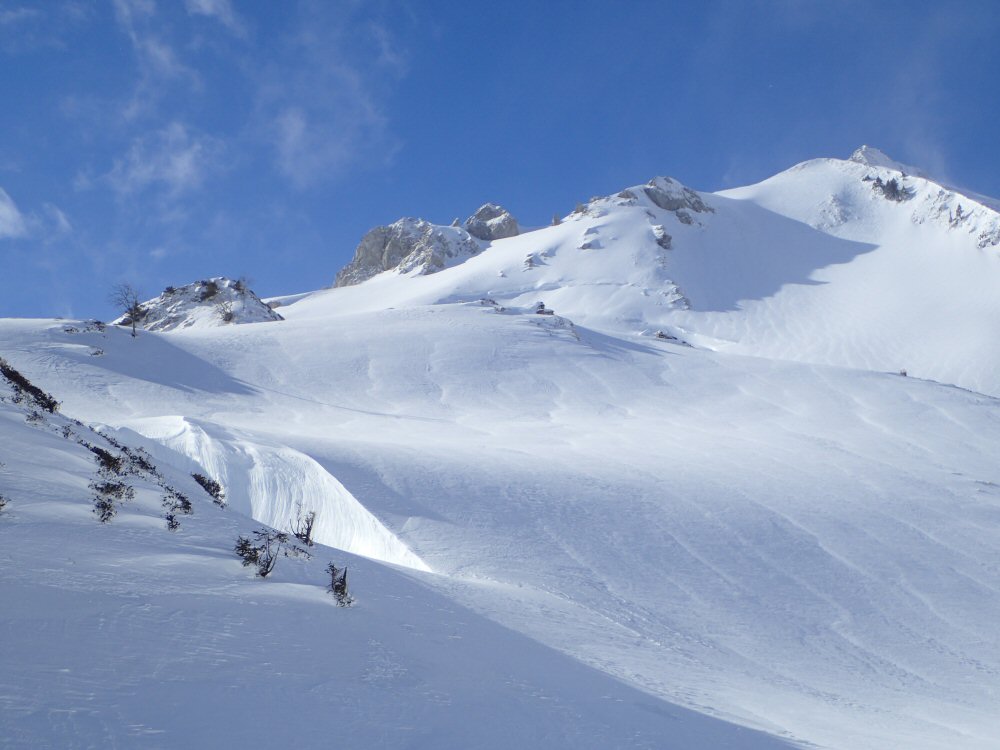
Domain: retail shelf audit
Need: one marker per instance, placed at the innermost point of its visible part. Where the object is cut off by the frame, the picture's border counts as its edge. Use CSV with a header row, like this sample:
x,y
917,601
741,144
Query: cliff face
x,y
492,222
418,245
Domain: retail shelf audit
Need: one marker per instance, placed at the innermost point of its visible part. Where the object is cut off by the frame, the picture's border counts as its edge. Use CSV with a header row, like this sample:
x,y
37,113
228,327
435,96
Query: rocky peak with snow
x,y
870,156
210,302
492,222
407,245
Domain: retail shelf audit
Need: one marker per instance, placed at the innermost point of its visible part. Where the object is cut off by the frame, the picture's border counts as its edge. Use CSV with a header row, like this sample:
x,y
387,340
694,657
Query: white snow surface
x,y
562,530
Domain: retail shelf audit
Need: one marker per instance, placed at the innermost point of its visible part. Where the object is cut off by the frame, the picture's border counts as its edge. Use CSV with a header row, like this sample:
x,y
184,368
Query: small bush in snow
x,y
107,495
3,503
114,490
338,585
108,463
139,462
262,551
208,290
104,508
175,502
212,487
304,528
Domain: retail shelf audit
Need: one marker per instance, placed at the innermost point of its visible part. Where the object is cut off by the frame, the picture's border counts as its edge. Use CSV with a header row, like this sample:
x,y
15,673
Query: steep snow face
x,y
911,283
408,245
278,486
492,222
211,302
848,198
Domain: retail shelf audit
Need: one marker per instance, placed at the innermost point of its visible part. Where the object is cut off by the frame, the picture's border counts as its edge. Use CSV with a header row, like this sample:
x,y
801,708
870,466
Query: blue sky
x,y
159,142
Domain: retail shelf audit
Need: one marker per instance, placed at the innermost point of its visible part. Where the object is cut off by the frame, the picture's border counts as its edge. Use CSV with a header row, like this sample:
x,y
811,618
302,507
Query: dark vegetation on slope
x,y
891,189
24,389
212,487
117,462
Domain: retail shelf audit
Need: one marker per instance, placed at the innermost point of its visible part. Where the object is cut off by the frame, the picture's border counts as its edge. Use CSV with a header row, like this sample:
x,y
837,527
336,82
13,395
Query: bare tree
x,y
304,527
125,297
224,309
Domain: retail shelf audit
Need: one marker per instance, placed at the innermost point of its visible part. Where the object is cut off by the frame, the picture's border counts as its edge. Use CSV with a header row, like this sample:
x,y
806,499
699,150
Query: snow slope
x,y
128,635
637,543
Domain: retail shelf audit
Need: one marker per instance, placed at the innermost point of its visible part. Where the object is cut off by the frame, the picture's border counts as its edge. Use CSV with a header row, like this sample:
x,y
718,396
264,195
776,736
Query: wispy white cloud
x,y
172,158
222,11
12,16
42,25
154,54
59,224
321,102
51,226
157,60
12,221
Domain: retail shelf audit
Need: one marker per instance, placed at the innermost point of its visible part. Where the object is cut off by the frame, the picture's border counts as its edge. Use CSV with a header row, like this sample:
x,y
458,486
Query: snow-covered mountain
x,y
564,527
815,264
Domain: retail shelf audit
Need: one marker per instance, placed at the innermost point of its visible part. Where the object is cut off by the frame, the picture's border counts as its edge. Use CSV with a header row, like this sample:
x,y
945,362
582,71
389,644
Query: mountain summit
x,y
872,157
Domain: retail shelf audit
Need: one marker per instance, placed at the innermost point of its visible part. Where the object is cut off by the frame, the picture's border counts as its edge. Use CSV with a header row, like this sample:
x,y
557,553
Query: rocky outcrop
x,y
872,157
492,222
670,195
407,245
210,302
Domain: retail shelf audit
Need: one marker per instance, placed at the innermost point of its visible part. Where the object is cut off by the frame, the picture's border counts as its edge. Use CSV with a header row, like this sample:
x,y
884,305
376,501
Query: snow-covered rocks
x,y
407,245
492,222
873,157
663,239
670,195
418,245
210,302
